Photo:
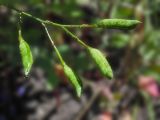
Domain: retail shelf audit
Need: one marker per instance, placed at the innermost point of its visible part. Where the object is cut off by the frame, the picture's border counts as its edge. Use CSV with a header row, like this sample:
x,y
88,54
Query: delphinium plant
x,y
97,56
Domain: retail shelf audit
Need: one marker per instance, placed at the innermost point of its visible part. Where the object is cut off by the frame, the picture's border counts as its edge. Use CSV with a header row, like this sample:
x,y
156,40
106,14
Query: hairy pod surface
x,y
101,62
117,23
74,79
26,54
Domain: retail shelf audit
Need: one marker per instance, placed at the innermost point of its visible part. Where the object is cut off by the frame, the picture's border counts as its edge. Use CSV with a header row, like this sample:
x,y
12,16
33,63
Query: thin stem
x,y
59,25
19,26
31,16
75,37
49,22
80,26
67,31
19,21
43,22
52,42
52,23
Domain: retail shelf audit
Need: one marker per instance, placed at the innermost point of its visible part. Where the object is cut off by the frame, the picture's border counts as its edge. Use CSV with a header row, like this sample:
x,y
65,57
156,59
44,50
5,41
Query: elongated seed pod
x,y
101,62
117,23
74,79
26,54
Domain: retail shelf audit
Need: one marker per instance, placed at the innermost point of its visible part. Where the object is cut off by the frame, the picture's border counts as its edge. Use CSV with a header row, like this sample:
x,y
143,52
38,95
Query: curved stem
x,y
52,42
68,32
80,26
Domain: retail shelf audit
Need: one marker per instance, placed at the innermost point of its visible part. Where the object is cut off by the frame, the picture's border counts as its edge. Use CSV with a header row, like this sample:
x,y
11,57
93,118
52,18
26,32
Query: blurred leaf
x,y
150,49
124,12
150,107
79,61
149,85
153,71
119,40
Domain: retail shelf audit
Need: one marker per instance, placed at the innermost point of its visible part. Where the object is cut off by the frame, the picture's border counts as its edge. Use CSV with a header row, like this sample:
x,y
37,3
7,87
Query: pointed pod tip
x,y
110,75
79,92
137,21
26,73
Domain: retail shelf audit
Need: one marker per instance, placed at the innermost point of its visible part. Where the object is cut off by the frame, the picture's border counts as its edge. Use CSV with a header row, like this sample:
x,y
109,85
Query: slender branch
x,y
49,22
31,16
67,31
80,26
64,27
75,37
52,42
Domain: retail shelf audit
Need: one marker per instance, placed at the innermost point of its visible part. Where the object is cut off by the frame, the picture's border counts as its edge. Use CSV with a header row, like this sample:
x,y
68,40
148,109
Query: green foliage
x,y
101,62
150,50
117,23
74,79
119,40
26,54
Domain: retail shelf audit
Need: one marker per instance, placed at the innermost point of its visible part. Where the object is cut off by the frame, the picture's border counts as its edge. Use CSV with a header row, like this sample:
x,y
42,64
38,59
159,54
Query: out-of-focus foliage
x,y
134,55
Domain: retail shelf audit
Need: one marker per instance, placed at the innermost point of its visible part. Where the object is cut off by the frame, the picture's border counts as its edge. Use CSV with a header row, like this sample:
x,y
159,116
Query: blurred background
x,y
45,94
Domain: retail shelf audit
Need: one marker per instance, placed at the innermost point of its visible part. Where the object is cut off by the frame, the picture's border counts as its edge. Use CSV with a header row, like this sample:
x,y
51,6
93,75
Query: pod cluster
x,y
97,56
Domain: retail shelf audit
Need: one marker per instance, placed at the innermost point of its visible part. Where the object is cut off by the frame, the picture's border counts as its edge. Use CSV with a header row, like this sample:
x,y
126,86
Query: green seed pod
x,y
101,62
74,79
117,23
26,54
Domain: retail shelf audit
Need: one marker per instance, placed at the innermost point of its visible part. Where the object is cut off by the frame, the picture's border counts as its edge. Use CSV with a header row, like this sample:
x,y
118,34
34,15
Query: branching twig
x,y
64,27
49,22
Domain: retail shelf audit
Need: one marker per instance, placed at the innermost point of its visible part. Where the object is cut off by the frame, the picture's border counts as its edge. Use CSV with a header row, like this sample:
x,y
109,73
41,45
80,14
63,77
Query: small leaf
x,y
117,23
26,54
74,79
101,62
